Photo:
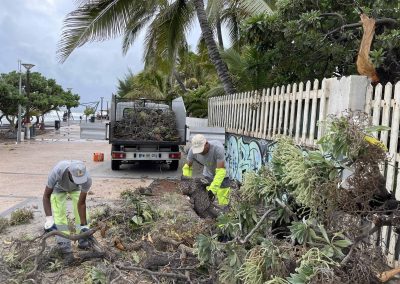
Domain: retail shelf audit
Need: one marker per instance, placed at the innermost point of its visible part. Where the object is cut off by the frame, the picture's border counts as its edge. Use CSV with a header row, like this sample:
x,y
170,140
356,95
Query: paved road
x,y
24,168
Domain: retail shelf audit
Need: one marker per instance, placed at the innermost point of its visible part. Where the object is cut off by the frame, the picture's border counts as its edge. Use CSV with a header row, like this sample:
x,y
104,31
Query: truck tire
x,y
174,165
115,165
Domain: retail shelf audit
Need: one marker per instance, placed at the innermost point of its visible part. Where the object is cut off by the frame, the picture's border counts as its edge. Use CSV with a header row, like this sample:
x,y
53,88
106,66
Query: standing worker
x,y
213,155
67,178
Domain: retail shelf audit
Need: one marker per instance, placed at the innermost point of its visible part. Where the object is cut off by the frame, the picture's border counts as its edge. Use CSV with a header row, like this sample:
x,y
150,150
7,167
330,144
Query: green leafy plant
x,y
54,265
144,213
206,248
11,259
252,270
3,224
311,261
302,232
377,57
231,263
332,247
21,216
228,224
98,276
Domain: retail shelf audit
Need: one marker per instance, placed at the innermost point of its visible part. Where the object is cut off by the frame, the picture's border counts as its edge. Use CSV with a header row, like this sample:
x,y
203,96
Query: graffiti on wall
x,y
246,154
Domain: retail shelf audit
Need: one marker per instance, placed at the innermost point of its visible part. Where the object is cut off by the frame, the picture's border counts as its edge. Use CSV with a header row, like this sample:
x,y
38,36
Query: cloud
x,y
30,31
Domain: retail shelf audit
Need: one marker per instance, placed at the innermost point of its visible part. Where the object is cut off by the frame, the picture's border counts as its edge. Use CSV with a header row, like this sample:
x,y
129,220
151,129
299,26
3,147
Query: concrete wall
x,y
246,154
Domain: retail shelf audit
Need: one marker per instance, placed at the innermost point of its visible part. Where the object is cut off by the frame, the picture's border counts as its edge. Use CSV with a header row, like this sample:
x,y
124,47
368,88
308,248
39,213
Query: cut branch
x,y
259,223
383,21
153,273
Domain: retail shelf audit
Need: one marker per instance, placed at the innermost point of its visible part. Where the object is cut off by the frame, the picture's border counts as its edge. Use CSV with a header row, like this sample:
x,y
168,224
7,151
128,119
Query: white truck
x,y
128,149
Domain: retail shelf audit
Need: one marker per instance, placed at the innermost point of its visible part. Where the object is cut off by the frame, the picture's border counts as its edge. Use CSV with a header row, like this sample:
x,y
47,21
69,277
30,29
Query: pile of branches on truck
x,y
147,125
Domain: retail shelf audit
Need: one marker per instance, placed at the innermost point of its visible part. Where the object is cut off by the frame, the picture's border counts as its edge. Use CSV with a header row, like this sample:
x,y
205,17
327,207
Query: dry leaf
x,y
387,275
149,239
118,244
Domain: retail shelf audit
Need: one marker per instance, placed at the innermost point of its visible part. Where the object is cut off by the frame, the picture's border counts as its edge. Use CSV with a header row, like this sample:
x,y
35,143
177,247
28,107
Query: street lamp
x,y
28,67
68,112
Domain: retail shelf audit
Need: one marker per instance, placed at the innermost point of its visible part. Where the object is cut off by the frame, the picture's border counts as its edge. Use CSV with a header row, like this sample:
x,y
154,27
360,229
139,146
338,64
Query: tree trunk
x,y
179,80
219,33
215,57
11,122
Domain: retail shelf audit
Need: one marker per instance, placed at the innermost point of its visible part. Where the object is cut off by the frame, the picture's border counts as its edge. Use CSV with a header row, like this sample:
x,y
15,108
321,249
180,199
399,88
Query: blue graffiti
x,y
242,157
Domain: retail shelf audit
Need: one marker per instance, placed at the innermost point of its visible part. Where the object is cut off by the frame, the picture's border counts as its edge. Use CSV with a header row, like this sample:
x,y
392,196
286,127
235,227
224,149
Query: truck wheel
x,y
115,165
174,165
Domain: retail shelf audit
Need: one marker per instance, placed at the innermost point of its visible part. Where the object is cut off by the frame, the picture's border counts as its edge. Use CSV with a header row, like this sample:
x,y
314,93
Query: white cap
x,y
78,172
198,143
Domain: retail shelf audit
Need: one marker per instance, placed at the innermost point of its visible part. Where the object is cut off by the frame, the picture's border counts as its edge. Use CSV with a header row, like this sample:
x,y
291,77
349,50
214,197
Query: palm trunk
x,y
215,57
219,33
179,80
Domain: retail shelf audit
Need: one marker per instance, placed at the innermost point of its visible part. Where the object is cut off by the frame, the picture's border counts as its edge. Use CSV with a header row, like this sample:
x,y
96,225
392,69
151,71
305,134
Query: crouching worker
x,y
67,178
212,154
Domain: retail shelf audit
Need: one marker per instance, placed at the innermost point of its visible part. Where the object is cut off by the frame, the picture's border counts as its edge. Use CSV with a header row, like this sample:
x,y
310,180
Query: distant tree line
x,y
45,95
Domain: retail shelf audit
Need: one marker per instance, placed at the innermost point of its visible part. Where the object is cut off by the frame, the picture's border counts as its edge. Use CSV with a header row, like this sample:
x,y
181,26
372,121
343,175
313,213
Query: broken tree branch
x,y
258,225
153,273
382,21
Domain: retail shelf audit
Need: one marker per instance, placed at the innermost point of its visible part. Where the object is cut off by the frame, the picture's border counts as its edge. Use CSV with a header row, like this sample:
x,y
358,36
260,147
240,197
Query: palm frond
x,y
95,20
256,6
167,32
215,92
214,9
132,30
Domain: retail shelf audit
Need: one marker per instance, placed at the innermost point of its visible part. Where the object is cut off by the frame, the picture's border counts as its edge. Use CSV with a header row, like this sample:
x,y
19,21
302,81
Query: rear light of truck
x,y
118,155
175,155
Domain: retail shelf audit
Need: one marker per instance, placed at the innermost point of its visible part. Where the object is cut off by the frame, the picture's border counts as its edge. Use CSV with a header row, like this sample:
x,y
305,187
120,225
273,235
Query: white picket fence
x,y
383,104
295,111
291,110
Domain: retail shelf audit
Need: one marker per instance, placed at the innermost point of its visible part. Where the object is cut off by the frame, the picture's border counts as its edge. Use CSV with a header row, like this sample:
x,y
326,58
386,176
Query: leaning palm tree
x,y
99,20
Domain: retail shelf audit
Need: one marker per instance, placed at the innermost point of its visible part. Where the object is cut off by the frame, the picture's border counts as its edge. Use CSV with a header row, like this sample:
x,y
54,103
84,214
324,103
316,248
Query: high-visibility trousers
x,y
59,208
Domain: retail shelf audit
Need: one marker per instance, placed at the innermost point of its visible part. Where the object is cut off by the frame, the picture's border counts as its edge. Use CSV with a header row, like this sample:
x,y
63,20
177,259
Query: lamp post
x,y
28,67
101,109
19,105
68,112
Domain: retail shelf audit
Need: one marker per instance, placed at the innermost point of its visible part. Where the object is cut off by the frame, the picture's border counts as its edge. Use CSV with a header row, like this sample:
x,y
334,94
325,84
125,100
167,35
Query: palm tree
x,y
98,20
232,12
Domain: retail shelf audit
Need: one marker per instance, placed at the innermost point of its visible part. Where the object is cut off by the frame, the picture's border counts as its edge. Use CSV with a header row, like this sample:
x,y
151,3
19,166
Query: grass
x,y
21,216
3,224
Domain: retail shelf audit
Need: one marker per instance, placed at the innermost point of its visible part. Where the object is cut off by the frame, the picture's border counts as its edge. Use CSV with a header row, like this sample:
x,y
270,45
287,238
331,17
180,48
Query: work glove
x,y
49,224
187,171
372,140
84,243
222,194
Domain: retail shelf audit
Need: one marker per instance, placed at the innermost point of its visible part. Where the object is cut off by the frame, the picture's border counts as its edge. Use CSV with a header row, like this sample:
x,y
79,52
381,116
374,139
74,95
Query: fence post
x,y
347,93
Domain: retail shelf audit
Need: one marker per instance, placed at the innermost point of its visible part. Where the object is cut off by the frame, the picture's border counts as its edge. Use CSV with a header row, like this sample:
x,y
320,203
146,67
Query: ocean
x,y
52,116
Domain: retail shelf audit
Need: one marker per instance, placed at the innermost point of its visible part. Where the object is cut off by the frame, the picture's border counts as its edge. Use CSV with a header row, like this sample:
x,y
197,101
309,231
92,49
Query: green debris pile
x,y
296,221
147,125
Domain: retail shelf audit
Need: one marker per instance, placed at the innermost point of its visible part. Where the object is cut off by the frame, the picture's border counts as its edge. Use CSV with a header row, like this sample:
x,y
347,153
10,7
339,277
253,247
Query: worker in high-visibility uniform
x,y
212,155
67,178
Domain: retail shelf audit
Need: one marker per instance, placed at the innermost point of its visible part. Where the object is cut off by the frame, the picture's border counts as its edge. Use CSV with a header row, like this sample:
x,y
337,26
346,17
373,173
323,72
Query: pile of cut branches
x,y
297,220
147,125
147,236
302,219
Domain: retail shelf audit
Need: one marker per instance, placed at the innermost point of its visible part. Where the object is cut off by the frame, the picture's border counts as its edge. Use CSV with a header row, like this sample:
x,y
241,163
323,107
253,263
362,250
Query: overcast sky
x,y
30,30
